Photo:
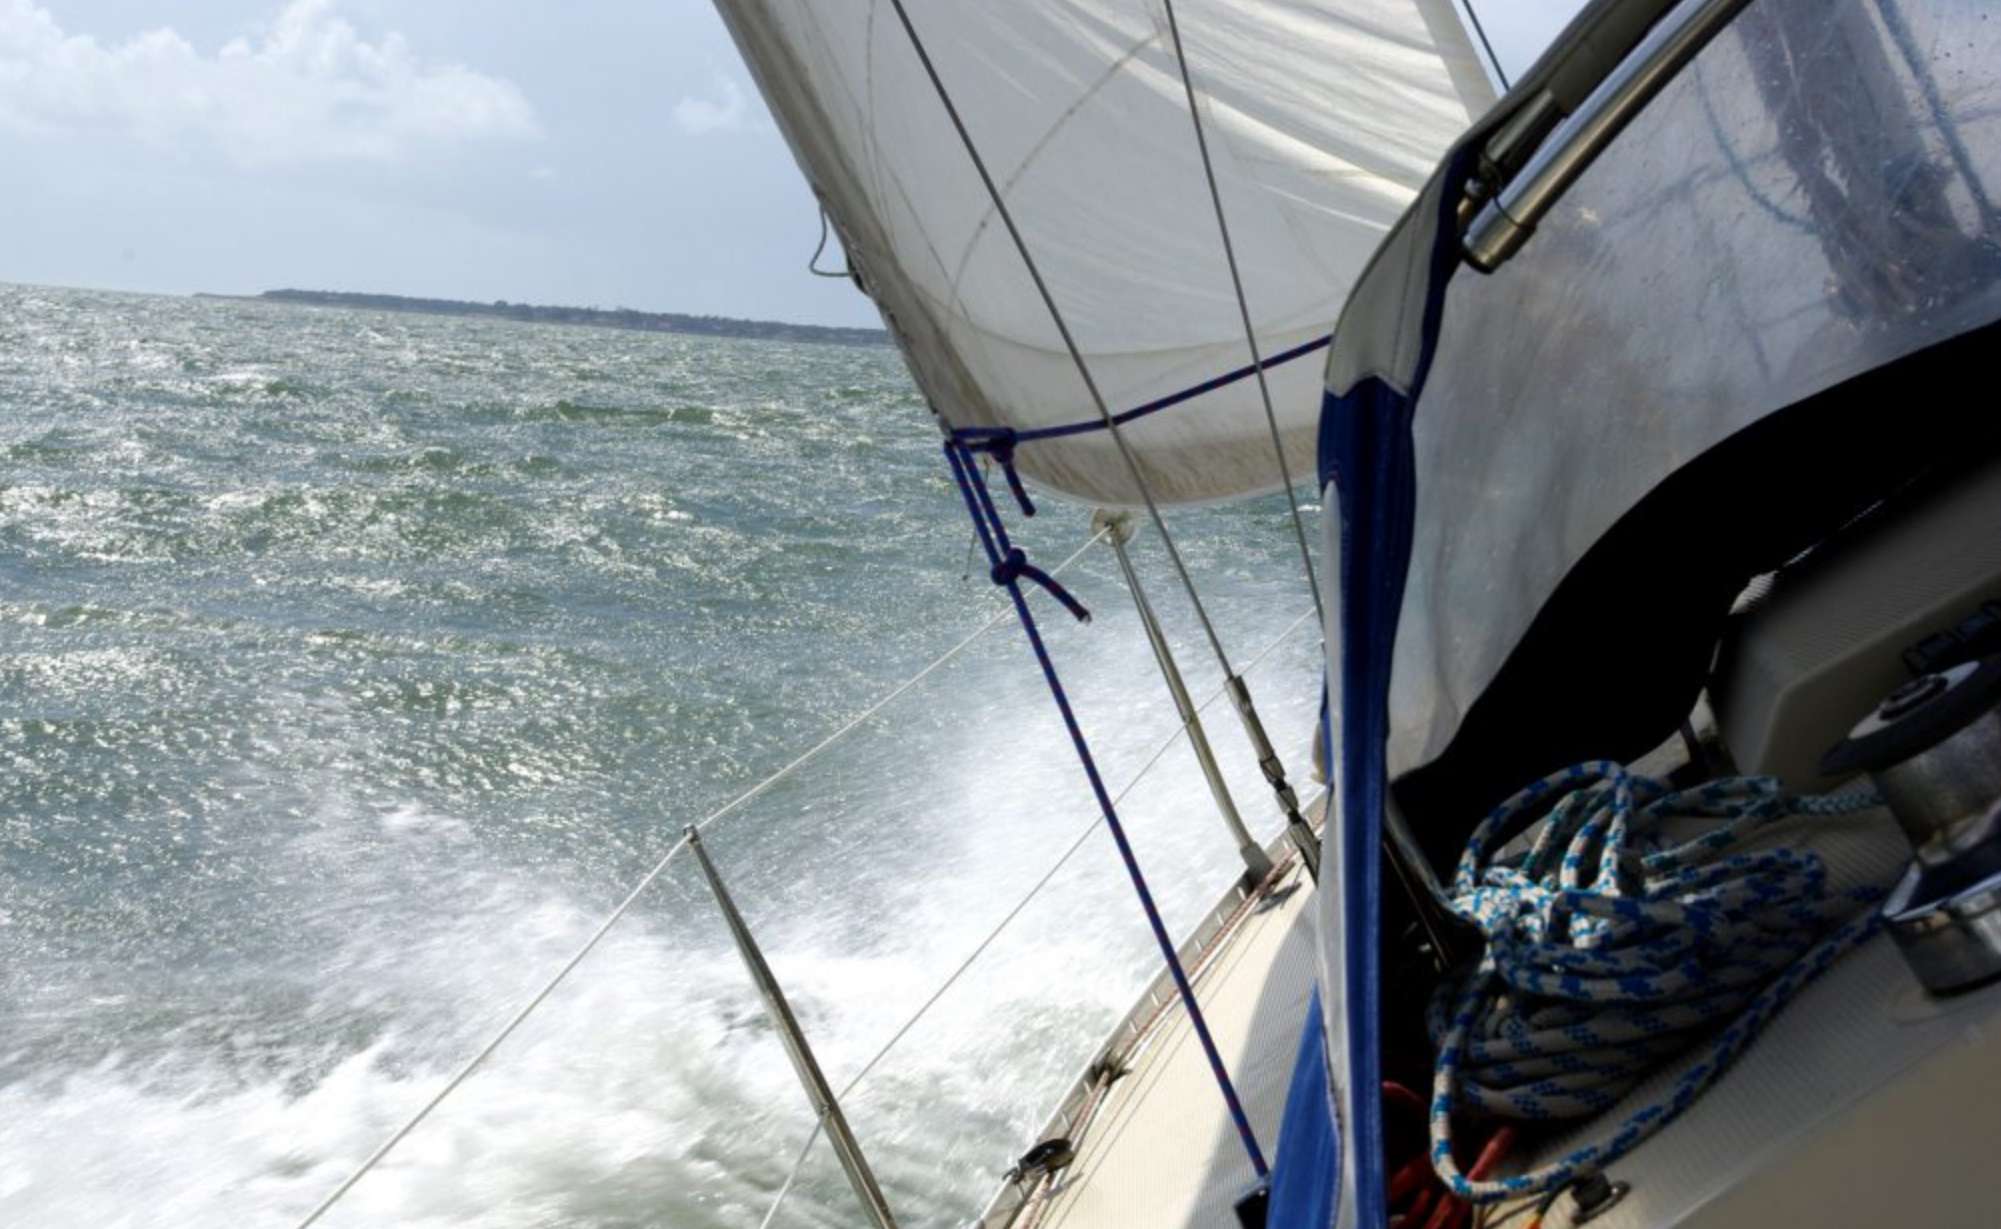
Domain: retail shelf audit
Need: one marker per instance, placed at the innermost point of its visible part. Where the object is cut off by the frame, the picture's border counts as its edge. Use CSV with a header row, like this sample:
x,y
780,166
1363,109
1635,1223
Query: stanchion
x,y
818,1091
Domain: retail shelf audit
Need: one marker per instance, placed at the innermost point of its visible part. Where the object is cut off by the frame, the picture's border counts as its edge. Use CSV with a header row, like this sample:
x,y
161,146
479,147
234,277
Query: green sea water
x,y
354,665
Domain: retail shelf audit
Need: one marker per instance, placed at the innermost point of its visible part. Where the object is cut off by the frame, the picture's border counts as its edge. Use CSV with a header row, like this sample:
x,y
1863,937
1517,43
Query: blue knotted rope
x,y
1015,566
1610,948
999,444
1001,554
1009,563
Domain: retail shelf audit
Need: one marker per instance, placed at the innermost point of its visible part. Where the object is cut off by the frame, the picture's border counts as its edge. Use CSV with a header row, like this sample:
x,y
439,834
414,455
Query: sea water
x,y
353,666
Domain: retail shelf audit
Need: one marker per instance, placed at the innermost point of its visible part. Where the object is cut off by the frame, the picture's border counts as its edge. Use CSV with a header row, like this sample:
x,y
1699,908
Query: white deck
x,y
1866,1102
1160,1149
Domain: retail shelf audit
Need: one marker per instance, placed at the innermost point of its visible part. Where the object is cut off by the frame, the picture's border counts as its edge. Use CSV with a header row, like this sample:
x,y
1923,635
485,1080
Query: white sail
x,y
1323,120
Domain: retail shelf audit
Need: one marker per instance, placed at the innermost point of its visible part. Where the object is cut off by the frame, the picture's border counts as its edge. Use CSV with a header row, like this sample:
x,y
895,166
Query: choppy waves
x,y
352,665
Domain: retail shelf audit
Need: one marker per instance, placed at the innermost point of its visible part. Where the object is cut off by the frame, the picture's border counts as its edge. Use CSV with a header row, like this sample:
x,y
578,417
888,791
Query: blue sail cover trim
x,y
1367,460
1368,475
1302,1185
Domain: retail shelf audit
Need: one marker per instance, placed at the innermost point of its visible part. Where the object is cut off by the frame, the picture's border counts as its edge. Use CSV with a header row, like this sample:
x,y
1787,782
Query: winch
x,y
1932,749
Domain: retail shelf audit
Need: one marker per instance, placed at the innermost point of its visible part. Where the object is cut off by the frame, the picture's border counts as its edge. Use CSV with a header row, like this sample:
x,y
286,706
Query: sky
x,y
607,153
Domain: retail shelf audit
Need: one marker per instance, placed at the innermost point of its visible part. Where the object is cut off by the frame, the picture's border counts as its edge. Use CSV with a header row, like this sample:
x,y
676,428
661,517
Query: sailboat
x,y
1643,398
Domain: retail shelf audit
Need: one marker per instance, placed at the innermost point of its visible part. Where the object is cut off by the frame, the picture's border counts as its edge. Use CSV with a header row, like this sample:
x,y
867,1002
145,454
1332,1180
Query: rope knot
x,y
1011,568
1014,566
1000,445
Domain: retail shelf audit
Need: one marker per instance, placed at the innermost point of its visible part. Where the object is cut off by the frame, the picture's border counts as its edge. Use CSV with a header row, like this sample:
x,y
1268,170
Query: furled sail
x,y
1323,120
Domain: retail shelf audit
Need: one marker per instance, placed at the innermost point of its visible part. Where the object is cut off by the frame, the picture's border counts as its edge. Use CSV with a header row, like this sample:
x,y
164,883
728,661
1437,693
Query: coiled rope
x,y
1611,946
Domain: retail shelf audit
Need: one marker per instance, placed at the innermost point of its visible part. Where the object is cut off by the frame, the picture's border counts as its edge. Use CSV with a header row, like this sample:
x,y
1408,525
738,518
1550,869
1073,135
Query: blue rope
x,y
1010,562
1014,565
999,443
1611,948
993,536
985,439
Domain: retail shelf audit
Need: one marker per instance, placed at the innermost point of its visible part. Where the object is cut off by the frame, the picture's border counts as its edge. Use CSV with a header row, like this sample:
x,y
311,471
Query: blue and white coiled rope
x,y
1611,947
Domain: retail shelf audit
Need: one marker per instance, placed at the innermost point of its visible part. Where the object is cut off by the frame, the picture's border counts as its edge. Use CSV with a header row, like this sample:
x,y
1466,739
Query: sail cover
x,y
1323,120
1802,215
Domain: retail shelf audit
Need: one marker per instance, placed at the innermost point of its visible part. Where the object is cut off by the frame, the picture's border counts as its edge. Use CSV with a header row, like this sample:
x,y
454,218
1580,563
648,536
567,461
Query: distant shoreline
x,y
535,313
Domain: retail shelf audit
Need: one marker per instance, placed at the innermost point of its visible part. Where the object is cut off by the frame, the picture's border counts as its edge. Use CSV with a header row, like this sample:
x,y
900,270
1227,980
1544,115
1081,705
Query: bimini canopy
x,y
1323,120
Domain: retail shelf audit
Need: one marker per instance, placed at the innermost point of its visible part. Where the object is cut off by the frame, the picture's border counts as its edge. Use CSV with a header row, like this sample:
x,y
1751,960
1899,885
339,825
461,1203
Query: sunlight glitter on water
x,y
353,665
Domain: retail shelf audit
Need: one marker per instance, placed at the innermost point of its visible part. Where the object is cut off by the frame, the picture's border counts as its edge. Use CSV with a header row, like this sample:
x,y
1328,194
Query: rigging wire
x,y
1480,32
549,987
792,1175
1247,714
980,949
1244,308
1062,327
506,1031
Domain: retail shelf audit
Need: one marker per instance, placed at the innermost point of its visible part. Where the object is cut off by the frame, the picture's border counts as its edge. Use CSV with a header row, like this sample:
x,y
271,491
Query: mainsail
x,y
1323,120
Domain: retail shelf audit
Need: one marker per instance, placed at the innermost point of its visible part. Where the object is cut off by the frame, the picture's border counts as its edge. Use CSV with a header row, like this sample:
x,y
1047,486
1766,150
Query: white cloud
x,y
728,110
309,89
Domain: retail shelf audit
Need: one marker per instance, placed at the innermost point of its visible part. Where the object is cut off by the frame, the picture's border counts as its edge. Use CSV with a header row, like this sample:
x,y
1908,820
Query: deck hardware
x,y
1932,748
1297,828
1414,873
1978,636
818,1091
1275,898
1107,1071
1253,1207
1043,1160
1510,218
1595,1195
